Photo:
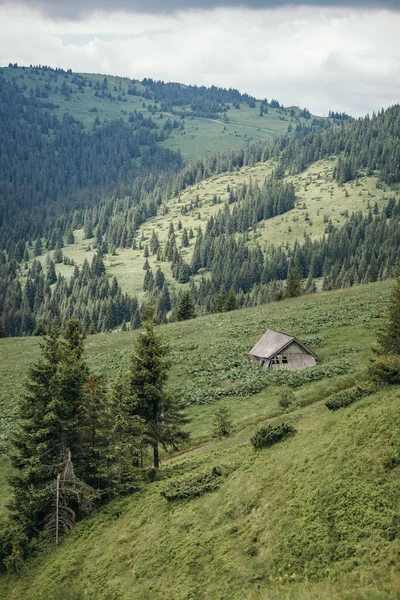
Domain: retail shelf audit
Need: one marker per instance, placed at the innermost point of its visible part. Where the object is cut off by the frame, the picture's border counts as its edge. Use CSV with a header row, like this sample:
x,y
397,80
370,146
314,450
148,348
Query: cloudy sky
x,y
329,54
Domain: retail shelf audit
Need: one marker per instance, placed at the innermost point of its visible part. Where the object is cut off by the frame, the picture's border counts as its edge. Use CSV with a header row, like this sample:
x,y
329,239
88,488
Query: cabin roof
x,y
273,342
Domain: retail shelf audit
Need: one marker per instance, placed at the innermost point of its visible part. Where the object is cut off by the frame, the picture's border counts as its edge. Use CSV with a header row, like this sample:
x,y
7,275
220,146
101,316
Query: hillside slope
x,y
320,200
319,510
202,131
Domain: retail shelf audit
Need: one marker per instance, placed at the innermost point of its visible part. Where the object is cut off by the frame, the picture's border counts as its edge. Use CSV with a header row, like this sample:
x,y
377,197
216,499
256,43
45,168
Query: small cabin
x,y
280,351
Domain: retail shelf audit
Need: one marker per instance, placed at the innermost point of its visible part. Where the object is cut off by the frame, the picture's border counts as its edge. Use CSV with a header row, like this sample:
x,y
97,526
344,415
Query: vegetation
x,y
222,423
109,231
346,397
269,435
225,473
159,409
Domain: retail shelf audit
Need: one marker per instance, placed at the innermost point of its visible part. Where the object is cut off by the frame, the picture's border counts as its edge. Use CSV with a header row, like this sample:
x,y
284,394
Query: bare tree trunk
x,y
156,457
57,504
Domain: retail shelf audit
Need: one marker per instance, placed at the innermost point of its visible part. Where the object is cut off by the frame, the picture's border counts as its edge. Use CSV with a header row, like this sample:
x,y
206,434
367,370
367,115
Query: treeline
x,y
89,295
364,146
365,249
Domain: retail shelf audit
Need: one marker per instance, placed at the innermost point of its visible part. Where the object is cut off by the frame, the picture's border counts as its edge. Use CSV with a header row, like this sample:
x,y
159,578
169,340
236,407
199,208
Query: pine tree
x,y
125,439
222,423
185,308
50,416
160,411
389,337
51,273
185,238
294,283
231,301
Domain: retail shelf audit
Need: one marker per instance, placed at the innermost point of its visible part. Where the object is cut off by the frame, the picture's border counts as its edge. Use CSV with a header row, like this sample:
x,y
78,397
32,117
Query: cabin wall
x,y
297,359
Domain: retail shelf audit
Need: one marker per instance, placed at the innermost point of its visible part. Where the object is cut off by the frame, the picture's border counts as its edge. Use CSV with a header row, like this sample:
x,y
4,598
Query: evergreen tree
x,y
51,273
50,416
185,308
389,337
222,423
294,283
125,439
231,301
160,411
185,238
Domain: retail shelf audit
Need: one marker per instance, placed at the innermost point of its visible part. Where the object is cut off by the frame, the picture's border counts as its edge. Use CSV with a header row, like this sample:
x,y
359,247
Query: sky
x,y
341,55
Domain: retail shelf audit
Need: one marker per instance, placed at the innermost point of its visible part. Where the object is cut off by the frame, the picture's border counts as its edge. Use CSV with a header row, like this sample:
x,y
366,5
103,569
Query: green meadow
x,y
315,516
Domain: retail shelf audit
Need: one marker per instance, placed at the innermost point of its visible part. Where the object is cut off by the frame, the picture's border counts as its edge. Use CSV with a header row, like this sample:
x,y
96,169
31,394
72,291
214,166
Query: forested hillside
x,y
229,229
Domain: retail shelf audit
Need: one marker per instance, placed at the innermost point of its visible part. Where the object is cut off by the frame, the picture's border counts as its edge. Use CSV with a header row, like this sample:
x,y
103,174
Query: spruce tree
x,y
389,337
231,301
185,310
160,411
50,417
125,439
222,423
294,283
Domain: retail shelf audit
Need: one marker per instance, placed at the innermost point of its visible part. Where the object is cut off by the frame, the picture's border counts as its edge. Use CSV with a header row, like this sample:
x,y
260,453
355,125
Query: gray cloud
x,y
76,9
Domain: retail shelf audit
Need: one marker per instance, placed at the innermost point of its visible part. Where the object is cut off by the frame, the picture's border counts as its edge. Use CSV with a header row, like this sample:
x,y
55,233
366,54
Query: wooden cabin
x,y
277,350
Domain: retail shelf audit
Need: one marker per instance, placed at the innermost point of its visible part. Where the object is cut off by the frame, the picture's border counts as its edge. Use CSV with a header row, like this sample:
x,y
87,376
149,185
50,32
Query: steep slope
x,y
316,516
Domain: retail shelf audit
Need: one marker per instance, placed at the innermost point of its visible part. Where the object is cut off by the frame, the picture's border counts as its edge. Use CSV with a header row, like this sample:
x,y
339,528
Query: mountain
x,y
232,223
121,199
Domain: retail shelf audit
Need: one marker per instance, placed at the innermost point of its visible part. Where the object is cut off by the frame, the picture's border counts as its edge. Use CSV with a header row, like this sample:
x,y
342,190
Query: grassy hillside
x,y
199,138
320,200
314,517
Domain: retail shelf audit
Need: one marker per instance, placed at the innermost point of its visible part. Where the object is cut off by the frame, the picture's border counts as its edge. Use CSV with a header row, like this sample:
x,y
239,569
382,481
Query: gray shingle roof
x,y
271,343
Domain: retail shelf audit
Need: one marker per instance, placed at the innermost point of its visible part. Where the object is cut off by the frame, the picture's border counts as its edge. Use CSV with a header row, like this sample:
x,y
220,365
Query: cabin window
x,y
284,360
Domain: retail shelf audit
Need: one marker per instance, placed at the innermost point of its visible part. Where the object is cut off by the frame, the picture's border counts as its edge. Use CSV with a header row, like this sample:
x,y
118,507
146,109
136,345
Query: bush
x,y
346,397
386,369
270,435
286,399
196,484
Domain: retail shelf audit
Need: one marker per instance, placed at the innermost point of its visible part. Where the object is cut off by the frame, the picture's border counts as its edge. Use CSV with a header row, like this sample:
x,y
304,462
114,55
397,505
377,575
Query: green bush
x,y
386,369
270,435
346,397
196,484
286,399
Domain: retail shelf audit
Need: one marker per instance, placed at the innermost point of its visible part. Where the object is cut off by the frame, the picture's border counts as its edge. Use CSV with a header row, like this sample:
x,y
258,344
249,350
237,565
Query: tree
x,y
125,439
185,309
68,492
389,337
222,423
294,283
51,273
231,301
159,409
50,419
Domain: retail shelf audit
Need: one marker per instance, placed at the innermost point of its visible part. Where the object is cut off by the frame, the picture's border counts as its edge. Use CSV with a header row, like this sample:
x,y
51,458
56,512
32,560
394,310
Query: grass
x,y
210,356
323,501
312,517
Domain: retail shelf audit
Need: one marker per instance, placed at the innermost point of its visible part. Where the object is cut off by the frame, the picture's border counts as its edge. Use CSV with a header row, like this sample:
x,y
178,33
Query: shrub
x,y
286,399
196,484
386,369
346,397
270,435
